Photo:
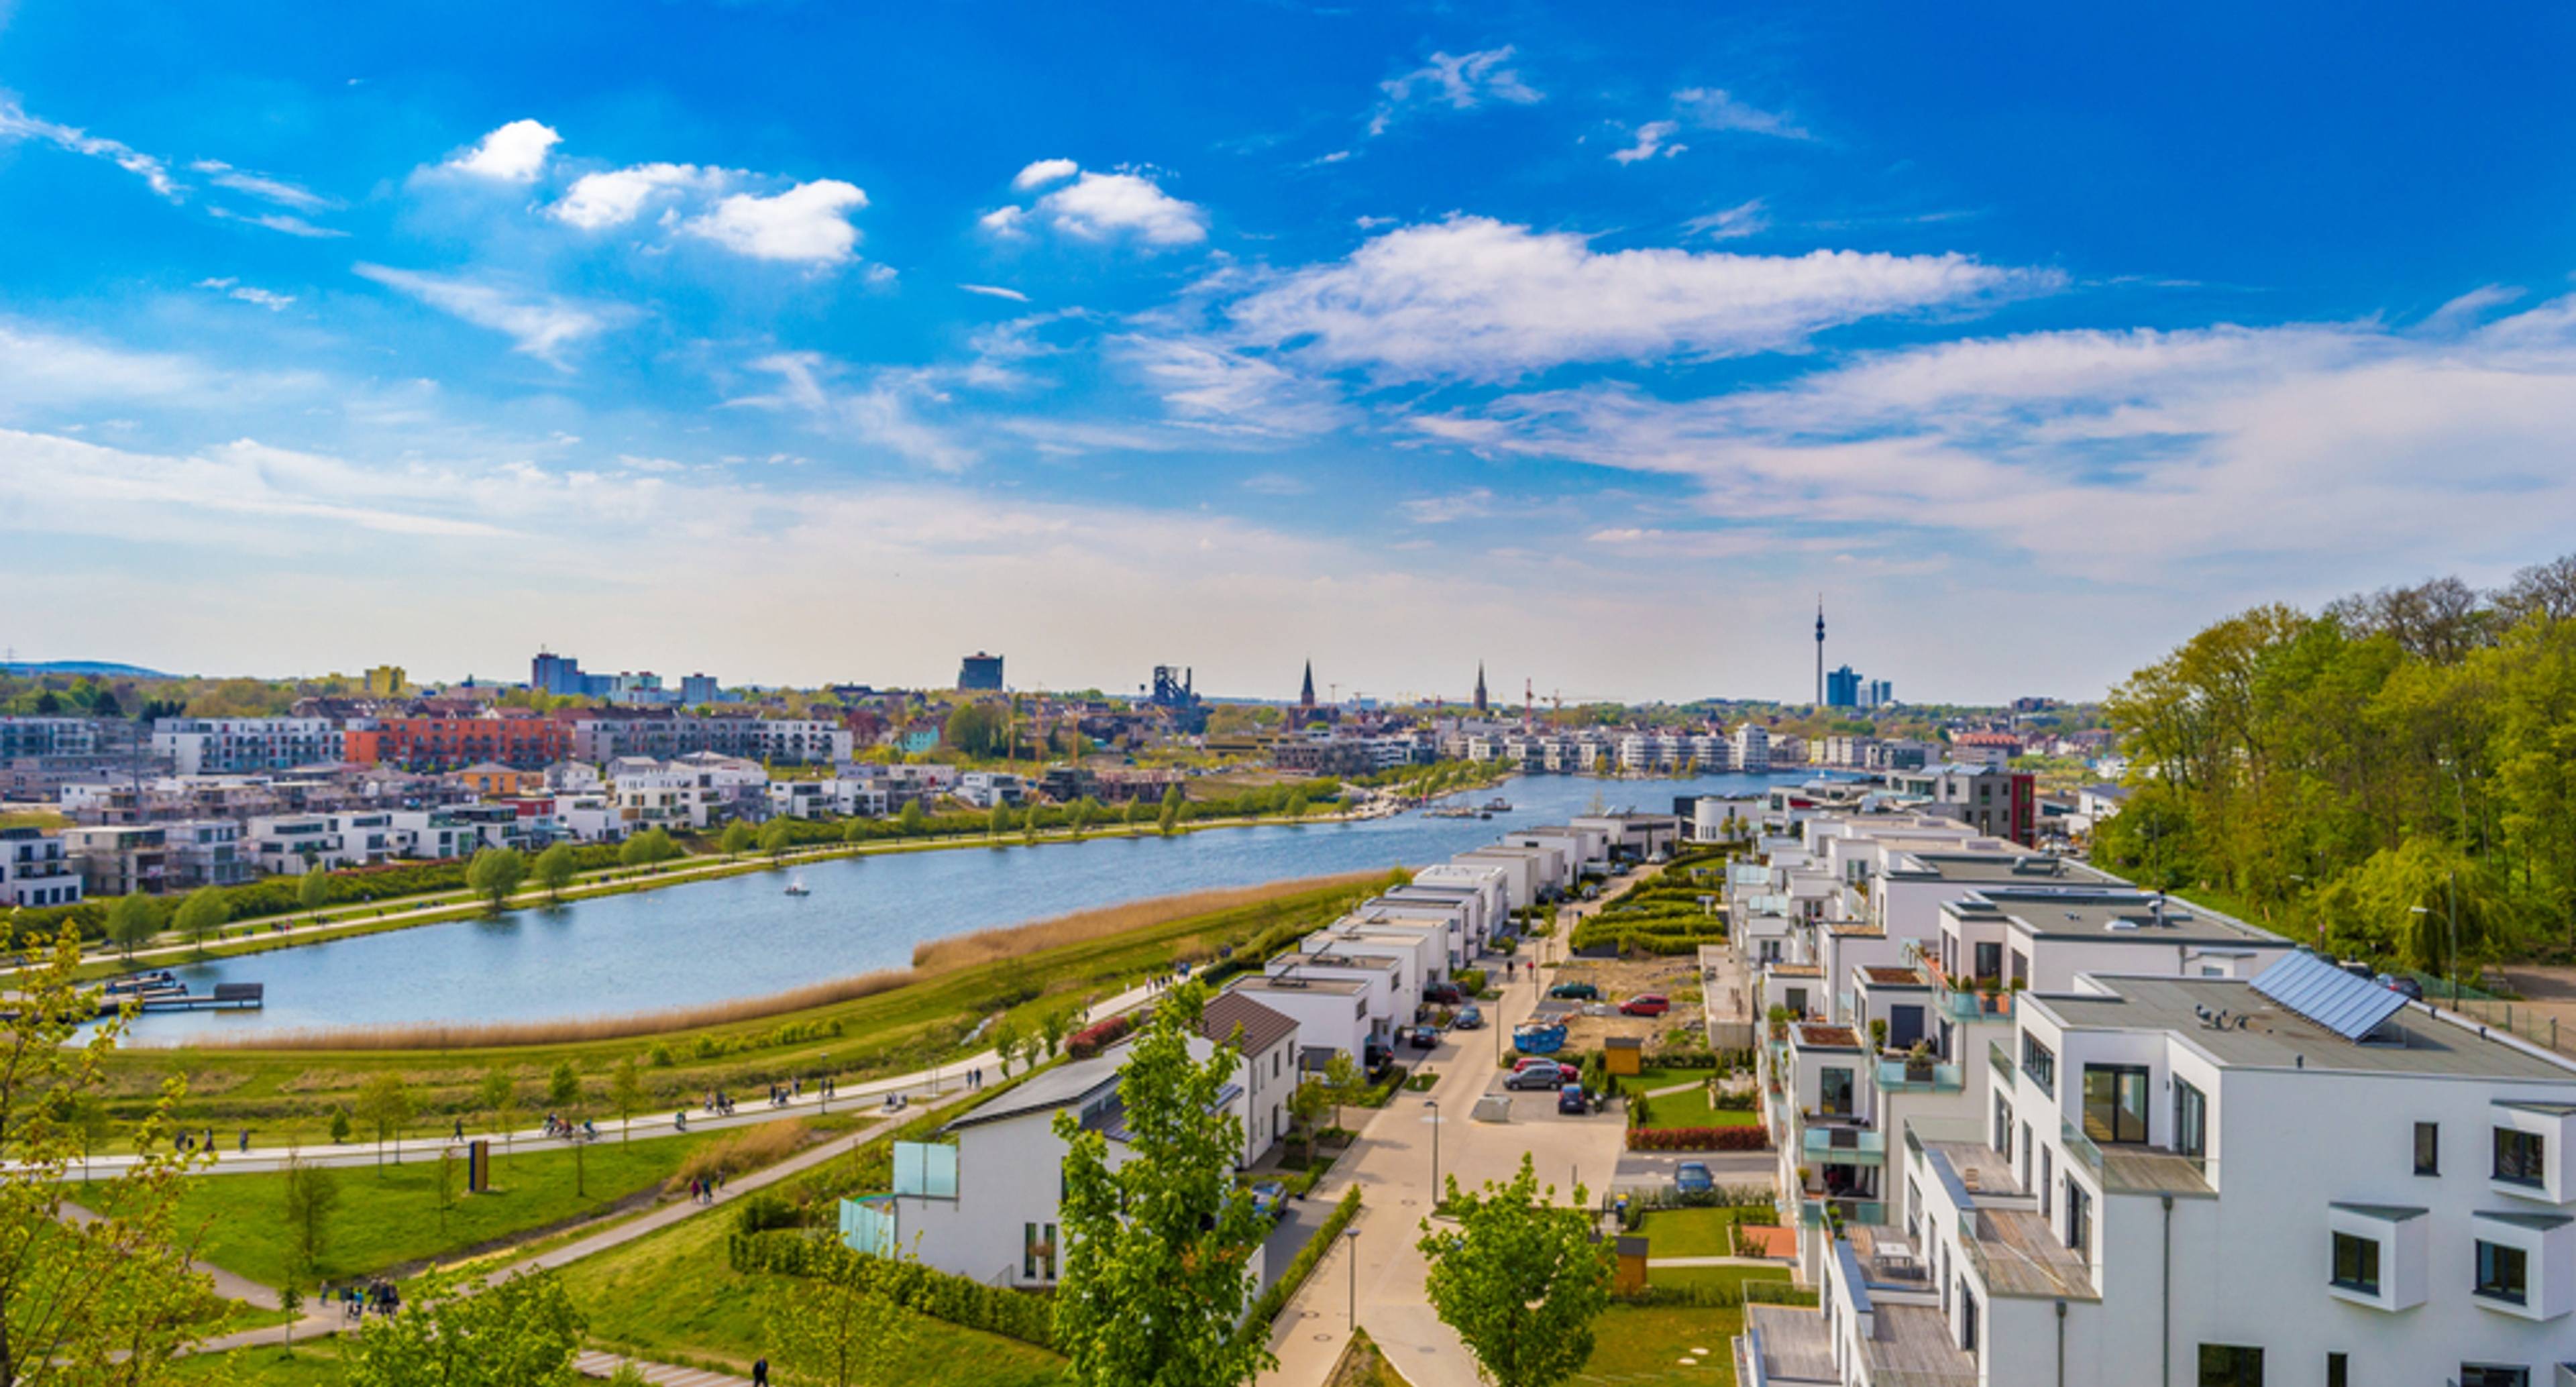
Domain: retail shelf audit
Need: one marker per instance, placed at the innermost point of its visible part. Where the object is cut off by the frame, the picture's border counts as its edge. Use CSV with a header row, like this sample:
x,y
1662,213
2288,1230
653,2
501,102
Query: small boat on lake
x,y
797,887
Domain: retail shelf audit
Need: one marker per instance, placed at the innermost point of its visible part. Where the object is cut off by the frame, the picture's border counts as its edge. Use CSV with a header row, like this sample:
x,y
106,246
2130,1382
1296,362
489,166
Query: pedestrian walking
x,y
245,1140
760,1372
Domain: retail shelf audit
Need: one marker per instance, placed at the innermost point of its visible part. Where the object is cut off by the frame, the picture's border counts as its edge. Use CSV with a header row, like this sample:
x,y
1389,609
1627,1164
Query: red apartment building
x,y
524,740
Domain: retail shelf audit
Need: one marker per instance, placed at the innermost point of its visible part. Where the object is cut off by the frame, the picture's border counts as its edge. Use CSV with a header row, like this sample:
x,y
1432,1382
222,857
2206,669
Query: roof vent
x,y
2121,926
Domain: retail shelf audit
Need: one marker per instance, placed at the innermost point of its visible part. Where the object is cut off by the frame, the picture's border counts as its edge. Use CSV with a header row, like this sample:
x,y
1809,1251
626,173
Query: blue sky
x,y
801,341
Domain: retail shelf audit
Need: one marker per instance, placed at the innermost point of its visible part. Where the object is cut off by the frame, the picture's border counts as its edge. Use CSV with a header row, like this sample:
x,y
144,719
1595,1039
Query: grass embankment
x,y
673,1295
288,1088
1363,1365
389,1217
305,1365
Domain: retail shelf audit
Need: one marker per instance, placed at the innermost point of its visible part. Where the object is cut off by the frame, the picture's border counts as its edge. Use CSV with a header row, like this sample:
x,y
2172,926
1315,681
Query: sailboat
x,y
796,887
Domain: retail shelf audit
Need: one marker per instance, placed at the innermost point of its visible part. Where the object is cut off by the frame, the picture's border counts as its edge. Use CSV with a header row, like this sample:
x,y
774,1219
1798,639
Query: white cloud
x,y
79,488
1043,172
286,222
617,196
1476,299
808,224
1276,484
540,325
1731,223
514,153
995,291
1650,142
247,293
1099,206
262,186
1470,504
1005,222
1712,108
1461,82
1230,392
16,124
883,412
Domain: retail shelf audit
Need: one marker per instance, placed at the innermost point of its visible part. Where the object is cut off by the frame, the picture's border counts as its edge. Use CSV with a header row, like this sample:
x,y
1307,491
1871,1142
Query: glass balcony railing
x,y
2080,1146
1845,1145
1897,1076
1999,1059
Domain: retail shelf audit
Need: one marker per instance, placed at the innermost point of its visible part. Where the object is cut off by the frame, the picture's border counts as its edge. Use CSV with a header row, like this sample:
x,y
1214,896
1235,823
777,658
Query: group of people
x,y
719,1102
356,1301
704,1189
563,1127
190,1141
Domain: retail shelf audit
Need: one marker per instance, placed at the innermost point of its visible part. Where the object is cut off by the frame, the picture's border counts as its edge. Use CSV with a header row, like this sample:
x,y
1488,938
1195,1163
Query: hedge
x,y
1098,1036
1267,1308
1698,1139
938,1294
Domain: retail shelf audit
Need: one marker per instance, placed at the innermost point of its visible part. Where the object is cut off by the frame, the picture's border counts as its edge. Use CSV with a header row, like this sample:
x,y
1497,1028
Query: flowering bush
x,y
1093,1039
1698,1139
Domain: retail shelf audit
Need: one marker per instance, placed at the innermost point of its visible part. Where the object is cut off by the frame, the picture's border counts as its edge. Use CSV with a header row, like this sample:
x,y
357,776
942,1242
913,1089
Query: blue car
x,y
1692,1177
1470,1019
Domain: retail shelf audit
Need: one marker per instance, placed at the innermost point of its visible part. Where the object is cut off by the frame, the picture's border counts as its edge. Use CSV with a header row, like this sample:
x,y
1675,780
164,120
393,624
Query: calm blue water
x,y
744,937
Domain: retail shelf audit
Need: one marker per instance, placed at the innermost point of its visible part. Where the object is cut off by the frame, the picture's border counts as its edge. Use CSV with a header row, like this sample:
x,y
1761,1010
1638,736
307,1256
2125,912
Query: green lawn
x,y
1634,1344
384,1218
1691,1109
1695,1232
307,1365
1710,1278
673,1293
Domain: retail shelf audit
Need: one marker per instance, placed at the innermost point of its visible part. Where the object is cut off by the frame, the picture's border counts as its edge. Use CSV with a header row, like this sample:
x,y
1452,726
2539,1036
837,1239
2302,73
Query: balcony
x,y
1844,1145
2080,1146
2000,1060
1902,1076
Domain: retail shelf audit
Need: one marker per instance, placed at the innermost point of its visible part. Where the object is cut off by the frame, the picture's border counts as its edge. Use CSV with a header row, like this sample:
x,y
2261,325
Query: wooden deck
x,y
1981,1168
1795,1346
2146,1170
1911,1348
2023,1256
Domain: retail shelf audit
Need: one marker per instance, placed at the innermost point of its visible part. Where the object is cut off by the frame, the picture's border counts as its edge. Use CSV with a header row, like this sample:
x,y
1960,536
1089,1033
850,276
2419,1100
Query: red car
x,y
1651,1004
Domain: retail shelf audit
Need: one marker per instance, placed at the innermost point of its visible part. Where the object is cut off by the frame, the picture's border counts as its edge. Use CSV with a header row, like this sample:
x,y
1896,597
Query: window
x,y
2493,1375
2338,1372
2428,1148
1835,1085
2040,1063
2115,1103
2047,1182
2003,1126
2518,1157
2191,1121
2356,1263
1990,960
2503,1273
2079,1219
1967,1319
2227,1365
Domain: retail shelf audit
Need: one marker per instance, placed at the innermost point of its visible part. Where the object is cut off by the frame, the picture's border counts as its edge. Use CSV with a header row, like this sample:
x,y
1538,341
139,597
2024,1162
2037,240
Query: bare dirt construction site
x,y
1674,977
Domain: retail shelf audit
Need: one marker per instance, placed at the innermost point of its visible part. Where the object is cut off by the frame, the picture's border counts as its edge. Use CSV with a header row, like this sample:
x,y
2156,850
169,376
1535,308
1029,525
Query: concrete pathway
x,y
933,1084
1382,1270
596,1364
1653,1262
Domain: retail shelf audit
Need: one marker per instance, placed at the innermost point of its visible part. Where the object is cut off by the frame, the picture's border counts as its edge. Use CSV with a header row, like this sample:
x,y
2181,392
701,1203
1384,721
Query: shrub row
x,y
1098,1036
1698,1139
938,1294
1266,1309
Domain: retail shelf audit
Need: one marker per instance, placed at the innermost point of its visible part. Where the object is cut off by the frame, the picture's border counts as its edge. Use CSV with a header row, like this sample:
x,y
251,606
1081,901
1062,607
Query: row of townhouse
x,y
119,859
2001,1109
691,791
668,737
1748,749
446,741
36,871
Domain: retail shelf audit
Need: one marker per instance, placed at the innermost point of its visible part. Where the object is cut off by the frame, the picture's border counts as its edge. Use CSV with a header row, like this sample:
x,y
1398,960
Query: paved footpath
x,y
934,1084
596,1364
314,1325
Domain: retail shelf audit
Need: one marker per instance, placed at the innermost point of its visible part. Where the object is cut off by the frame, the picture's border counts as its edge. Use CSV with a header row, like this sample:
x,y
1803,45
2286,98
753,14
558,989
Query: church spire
x,y
1480,686
1306,693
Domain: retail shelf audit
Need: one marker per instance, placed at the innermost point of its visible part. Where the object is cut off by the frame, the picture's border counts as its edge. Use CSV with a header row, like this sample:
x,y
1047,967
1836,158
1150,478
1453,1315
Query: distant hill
x,y
105,669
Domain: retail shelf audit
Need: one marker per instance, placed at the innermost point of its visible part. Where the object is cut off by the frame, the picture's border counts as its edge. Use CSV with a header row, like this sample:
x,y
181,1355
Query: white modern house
x,y
35,870
1332,1014
2290,1179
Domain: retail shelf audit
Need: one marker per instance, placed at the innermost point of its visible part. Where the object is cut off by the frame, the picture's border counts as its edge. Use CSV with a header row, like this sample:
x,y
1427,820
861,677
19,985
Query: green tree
x,y
563,1094
313,890
555,869
626,1093
1081,814
497,1093
1306,1103
1005,1036
911,820
833,1329
520,1332
1053,1027
1156,1275
1170,816
133,919
111,1300
649,848
736,839
202,913
310,1193
980,730
776,837
1519,1277
997,820
1344,1080
446,1186
1029,826
495,874
385,1103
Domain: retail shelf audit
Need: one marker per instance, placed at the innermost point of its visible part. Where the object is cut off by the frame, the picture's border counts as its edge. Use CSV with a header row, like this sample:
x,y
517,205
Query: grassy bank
x,y
900,1023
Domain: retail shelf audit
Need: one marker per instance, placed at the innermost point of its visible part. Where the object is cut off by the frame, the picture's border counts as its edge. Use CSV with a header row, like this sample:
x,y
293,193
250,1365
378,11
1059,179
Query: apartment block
x,y
217,746
35,870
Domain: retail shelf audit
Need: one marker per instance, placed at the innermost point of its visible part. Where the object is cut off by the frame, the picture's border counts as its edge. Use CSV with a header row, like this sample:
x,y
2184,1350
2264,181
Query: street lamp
x,y
1351,1244
1434,1105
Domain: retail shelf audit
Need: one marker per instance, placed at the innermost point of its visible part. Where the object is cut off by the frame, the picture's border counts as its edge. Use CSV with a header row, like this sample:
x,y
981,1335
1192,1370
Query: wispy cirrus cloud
x,y
17,124
539,324
1461,82
263,186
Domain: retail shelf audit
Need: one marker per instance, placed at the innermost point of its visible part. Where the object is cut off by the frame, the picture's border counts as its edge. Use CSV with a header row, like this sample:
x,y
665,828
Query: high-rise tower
x,y
1820,650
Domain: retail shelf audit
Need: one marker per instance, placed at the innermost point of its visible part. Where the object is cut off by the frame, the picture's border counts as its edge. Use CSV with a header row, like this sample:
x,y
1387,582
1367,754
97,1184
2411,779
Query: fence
x,y
2520,1020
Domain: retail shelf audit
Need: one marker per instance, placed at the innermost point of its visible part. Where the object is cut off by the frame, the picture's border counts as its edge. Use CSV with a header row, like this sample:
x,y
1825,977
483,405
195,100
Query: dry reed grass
x,y
1084,926
748,1149
939,956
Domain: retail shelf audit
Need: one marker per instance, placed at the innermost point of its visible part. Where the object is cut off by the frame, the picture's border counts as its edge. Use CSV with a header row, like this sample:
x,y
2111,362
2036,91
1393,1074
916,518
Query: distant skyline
x,y
796,342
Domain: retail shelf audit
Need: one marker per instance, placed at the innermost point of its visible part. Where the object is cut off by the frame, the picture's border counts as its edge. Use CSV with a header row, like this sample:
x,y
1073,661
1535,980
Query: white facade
x,y
35,870
1752,749
290,844
985,789
213,746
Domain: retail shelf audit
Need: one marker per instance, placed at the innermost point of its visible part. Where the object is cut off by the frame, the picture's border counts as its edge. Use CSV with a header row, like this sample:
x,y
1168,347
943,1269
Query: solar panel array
x,y
2349,1006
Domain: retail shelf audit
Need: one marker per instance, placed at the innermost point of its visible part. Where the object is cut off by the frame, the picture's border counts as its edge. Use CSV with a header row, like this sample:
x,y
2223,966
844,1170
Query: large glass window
x,y
1835,1089
1990,960
2356,1263
2040,1063
2503,1272
2191,1120
2518,1156
2079,1219
2428,1148
2230,1365
2493,1375
2115,1103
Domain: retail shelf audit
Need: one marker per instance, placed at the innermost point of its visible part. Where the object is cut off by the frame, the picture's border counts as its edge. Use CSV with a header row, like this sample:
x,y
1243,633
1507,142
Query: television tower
x,y
1820,650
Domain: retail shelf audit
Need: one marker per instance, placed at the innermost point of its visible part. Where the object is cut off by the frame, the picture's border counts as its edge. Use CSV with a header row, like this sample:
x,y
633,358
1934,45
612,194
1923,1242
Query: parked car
x,y
1545,1075
1470,1019
1270,1199
1422,1037
1692,1177
1443,994
1376,1058
1575,992
1571,1102
1647,1004
2406,987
